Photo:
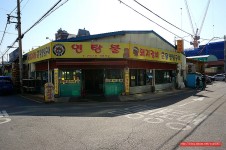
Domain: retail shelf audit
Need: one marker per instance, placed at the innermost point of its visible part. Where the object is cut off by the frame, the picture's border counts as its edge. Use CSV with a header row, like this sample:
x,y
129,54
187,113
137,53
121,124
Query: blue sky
x,y
101,16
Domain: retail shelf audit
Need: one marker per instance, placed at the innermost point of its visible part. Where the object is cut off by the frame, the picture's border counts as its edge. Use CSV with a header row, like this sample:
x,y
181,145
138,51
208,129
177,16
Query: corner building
x,y
115,63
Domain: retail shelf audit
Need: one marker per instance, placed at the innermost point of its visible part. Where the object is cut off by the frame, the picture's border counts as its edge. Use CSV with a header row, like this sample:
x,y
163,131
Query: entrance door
x,y
93,81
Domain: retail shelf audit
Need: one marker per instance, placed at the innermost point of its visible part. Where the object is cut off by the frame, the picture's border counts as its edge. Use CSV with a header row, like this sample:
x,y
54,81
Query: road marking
x,y
4,117
193,100
186,103
172,118
178,126
4,120
199,99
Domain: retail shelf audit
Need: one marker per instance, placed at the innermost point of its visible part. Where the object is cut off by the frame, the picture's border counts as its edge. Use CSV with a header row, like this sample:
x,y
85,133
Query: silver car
x,y
219,77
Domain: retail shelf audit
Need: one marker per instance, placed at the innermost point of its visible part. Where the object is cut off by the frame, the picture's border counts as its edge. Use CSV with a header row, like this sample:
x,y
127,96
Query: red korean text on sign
x,y
147,53
152,54
96,47
77,48
157,54
115,48
142,52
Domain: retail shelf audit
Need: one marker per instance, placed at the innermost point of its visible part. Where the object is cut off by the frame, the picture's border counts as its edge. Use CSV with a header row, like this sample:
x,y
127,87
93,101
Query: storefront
x,y
103,68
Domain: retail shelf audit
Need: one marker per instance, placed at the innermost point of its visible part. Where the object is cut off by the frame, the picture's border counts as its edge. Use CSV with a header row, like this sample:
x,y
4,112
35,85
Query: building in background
x,y
216,49
61,34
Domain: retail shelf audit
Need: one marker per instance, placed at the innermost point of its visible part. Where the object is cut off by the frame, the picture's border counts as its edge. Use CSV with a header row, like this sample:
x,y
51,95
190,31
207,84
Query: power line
x,y
7,25
51,10
162,18
15,8
3,34
150,20
56,8
25,5
9,33
44,16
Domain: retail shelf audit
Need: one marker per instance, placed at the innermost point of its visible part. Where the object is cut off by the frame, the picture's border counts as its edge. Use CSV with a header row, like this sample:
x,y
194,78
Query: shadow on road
x,y
18,106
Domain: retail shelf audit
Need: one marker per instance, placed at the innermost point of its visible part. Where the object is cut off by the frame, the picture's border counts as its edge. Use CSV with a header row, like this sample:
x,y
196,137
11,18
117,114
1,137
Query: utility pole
x,y
2,66
20,46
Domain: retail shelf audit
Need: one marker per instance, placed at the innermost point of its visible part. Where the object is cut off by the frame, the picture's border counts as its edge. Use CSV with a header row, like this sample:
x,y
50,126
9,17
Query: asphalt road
x,y
197,117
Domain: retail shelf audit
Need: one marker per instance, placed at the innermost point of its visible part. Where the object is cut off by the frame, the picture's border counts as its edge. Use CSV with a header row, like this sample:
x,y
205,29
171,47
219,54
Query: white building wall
x,y
148,39
181,76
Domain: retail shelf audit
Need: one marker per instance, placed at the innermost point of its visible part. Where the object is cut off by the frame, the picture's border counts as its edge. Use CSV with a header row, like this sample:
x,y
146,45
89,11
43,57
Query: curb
x,y
129,98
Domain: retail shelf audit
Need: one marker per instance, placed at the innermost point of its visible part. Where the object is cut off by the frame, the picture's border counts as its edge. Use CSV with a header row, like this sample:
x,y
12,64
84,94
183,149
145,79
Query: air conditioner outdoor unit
x,y
191,68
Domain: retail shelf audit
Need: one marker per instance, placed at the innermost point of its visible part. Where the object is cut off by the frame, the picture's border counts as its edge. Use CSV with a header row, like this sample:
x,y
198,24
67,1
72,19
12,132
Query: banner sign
x,y
56,82
180,46
85,50
41,53
126,76
14,55
89,50
154,54
49,92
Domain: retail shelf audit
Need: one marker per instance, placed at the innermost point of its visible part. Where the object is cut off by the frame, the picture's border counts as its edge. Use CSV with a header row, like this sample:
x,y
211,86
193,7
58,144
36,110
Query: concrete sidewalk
x,y
120,98
154,96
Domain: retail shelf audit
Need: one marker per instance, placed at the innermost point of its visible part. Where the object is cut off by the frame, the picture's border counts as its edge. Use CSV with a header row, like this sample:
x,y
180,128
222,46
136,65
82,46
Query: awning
x,y
204,58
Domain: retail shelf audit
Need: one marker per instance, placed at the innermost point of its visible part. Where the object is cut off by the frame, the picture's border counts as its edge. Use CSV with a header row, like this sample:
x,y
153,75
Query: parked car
x,y
212,78
219,77
6,85
208,79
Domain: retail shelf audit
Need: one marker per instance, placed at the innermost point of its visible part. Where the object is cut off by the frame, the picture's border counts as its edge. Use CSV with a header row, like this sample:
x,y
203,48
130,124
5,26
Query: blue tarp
x,y
216,48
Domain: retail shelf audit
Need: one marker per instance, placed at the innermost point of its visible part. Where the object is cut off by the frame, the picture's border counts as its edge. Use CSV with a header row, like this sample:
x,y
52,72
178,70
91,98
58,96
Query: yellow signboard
x,y
89,50
126,83
49,92
180,46
153,54
56,82
41,53
85,50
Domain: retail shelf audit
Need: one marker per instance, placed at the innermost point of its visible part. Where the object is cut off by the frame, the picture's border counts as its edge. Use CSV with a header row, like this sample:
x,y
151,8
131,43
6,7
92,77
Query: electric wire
x,y
214,38
9,33
37,22
162,18
6,26
56,8
151,20
25,5
15,8
51,10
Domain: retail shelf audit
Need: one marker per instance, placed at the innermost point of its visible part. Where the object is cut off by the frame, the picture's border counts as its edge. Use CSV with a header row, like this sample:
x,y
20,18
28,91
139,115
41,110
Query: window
x,y
70,74
140,77
42,75
114,74
163,76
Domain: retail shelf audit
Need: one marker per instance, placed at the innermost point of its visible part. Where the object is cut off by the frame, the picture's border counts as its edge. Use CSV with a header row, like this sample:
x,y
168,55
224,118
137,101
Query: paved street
x,y
194,116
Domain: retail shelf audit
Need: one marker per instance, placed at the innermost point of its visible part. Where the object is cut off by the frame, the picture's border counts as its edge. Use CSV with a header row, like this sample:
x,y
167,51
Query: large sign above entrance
x,y
39,54
153,54
89,50
85,50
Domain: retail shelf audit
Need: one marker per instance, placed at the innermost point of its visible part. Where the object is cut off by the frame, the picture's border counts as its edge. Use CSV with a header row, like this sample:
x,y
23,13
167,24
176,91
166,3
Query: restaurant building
x,y
115,63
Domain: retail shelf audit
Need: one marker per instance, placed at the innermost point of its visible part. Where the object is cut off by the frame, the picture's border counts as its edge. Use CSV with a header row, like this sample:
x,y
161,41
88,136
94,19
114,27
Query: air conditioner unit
x,y
191,68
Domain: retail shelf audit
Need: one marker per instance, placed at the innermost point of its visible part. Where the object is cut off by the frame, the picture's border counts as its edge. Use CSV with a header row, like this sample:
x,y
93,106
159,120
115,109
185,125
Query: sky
x,y
101,16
